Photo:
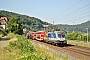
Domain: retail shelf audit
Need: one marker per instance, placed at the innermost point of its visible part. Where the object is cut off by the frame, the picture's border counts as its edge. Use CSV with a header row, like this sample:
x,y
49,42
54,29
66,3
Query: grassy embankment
x,y
79,43
23,49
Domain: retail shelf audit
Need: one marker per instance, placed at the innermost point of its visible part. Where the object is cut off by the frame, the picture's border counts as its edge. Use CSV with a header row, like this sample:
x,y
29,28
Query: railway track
x,y
86,53
74,51
82,47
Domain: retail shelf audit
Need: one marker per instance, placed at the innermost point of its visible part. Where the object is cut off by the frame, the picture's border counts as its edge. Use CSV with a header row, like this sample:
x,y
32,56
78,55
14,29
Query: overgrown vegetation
x,y
15,26
23,49
3,33
77,36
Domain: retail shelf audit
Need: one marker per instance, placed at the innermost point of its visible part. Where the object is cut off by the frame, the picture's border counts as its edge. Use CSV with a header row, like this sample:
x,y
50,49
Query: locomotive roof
x,y
50,32
41,31
60,32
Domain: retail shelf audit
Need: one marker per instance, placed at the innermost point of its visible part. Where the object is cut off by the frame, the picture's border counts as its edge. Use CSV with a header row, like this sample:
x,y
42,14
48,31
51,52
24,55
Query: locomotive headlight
x,y
65,41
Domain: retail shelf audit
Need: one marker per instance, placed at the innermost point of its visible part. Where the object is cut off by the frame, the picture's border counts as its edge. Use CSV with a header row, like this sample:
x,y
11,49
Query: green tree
x,y
15,26
20,28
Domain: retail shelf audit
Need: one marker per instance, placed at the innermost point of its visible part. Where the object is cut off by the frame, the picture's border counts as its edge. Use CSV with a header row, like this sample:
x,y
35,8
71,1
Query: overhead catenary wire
x,y
77,15
74,11
80,15
68,9
80,18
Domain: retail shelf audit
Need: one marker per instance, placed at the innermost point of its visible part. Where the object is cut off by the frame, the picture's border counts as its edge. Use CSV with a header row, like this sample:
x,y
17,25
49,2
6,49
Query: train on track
x,y
55,37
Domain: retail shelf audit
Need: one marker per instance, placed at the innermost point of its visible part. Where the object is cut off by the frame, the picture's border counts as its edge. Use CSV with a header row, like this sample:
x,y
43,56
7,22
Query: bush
x,y
3,32
72,36
25,50
77,36
22,44
11,35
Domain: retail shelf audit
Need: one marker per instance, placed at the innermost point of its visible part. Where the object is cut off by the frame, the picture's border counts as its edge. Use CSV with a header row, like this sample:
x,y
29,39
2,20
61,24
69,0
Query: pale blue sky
x,y
59,11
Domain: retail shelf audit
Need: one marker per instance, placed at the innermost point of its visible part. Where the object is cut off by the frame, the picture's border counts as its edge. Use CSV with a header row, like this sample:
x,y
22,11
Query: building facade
x,y
3,22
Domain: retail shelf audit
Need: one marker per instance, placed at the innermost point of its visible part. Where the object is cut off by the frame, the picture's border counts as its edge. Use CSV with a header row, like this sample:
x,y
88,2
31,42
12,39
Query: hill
x,y
35,24
31,23
76,28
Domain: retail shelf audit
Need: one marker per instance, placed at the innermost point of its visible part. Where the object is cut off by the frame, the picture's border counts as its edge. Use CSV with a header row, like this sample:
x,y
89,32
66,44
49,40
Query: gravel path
x,y
5,42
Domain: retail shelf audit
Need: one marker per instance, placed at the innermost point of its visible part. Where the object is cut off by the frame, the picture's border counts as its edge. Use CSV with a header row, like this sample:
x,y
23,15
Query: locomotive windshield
x,y
61,35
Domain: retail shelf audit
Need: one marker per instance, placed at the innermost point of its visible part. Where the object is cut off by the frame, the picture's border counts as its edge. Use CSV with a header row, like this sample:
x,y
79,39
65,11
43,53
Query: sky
x,y
57,11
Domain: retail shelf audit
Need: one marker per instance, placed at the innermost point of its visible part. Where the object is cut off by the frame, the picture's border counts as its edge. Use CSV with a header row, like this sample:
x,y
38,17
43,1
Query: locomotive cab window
x,y
63,35
59,35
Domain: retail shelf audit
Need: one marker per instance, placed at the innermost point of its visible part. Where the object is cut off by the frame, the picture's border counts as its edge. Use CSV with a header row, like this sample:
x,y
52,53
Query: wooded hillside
x,y
35,24
76,28
31,23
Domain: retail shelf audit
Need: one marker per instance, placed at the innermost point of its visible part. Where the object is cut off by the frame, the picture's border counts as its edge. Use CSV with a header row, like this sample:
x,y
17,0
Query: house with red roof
x,y
3,22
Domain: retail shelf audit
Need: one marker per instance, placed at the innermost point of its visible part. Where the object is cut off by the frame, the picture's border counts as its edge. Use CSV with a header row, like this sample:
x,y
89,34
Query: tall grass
x,y
11,35
23,49
49,55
